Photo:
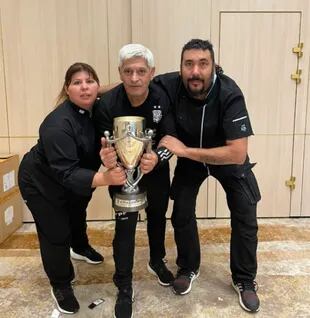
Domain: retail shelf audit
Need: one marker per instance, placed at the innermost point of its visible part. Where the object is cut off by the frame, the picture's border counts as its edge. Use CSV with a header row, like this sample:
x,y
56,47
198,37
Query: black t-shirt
x,y
155,110
67,151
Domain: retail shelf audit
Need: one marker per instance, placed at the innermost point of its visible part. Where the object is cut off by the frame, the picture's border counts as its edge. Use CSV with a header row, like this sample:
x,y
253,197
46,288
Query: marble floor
x,y
283,275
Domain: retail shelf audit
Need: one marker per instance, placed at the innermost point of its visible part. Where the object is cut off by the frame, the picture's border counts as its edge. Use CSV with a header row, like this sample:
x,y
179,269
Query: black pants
x,y
157,185
242,194
60,223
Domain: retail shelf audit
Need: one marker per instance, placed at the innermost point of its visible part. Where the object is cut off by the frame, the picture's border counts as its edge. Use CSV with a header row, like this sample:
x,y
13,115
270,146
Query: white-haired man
x,y
135,96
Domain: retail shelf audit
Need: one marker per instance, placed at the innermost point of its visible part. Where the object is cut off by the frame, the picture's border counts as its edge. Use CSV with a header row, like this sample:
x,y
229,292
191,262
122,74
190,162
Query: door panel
x,y
261,62
41,39
305,205
271,173
3,106
165,26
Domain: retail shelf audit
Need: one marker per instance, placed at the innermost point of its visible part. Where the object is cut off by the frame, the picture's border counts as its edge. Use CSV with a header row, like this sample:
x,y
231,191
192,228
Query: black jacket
x,y
208,123
66,156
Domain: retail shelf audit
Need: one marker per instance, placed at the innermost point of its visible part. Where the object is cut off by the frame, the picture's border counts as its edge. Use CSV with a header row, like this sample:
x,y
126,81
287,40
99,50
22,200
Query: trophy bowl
x,y
131,140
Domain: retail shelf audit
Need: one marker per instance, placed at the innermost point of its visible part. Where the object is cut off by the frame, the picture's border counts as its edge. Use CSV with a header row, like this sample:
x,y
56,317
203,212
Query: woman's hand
x,y
115,176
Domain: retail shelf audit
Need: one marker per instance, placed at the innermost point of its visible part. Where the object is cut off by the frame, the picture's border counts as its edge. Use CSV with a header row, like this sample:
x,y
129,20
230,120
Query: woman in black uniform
x,y
57,178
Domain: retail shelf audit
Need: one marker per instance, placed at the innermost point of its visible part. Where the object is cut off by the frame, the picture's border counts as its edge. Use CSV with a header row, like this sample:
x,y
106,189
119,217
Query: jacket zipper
x,y
201,134
202,121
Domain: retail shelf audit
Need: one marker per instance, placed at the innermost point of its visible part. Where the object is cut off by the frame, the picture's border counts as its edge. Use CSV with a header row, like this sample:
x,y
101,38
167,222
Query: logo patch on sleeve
x,y
243,127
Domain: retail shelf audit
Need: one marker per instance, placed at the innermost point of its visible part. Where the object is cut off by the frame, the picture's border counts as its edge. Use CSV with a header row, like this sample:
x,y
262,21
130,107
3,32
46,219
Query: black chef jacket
x,y
67,154
208,123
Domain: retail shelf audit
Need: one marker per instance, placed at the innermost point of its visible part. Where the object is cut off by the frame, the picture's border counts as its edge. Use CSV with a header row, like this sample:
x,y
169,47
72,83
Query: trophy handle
x,y
108,138
148,147
149,134
138,178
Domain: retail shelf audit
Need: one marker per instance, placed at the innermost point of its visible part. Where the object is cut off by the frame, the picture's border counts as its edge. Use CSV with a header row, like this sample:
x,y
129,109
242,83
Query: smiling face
x,y
136,76
197,71
82,89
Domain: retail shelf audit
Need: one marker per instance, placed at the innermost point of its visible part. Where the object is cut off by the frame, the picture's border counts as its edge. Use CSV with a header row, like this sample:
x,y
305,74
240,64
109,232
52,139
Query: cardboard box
x,y
8,173
10,213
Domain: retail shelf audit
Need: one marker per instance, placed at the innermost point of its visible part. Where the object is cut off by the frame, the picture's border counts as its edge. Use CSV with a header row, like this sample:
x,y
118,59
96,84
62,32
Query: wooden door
x,y
4,132
305,202
255,49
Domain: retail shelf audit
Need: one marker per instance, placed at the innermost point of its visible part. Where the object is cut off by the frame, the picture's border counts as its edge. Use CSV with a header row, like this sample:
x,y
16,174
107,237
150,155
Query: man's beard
x,y
203,92
196,93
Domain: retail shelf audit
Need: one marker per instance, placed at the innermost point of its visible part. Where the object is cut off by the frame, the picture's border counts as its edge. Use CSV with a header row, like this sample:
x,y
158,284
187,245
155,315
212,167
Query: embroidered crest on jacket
x,y
157,113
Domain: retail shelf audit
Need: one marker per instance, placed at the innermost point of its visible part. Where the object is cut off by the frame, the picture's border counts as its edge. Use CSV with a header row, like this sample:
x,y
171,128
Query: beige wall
x,y
39,40
253,41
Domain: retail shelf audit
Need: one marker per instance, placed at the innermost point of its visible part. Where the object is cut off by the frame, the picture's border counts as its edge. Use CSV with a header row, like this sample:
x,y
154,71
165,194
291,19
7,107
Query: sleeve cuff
x,y
163,155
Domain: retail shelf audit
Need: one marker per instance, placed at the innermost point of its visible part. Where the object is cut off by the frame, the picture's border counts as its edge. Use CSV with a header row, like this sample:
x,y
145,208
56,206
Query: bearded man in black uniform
x,y
213,127
137,97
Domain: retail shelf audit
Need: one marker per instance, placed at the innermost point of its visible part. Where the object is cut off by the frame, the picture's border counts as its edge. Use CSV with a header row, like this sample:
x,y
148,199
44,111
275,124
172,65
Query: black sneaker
x,y
248,298
88,255
182,285
65,300
123,305
165,277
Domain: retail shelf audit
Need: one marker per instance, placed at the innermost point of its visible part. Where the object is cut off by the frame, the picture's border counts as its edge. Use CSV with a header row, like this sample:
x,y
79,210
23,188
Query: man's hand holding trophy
x,y
130,147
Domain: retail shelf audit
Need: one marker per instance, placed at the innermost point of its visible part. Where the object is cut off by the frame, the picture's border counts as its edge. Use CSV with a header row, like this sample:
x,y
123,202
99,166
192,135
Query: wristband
x,y
163,155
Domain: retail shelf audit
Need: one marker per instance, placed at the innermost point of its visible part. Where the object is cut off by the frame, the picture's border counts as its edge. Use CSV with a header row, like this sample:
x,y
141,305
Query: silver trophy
x,y
130,139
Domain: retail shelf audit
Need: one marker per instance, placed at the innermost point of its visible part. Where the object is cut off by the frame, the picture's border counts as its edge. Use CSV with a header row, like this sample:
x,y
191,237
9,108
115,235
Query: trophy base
x,y
129,202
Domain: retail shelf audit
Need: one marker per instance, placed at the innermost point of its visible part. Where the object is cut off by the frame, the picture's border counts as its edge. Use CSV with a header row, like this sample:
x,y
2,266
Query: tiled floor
x,y
283,275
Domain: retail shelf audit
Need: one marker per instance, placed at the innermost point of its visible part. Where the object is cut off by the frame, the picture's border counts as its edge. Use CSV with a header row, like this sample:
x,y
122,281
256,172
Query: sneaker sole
x,y
240,299
151,271
79,257
133,300
130,316
189,287
59,308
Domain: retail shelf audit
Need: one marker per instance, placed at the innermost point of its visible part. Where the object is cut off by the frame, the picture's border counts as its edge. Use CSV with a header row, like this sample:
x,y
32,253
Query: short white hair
x,y
135,50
